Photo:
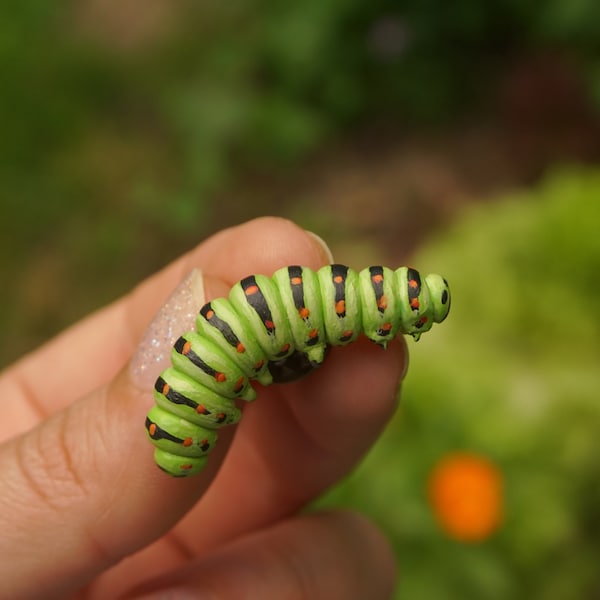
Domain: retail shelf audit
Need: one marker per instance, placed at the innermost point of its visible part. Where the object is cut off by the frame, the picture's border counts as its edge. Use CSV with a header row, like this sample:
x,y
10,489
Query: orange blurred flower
x,y
465,491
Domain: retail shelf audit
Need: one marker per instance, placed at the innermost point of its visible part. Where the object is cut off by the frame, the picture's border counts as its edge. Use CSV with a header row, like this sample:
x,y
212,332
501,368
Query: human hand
x,y
84,512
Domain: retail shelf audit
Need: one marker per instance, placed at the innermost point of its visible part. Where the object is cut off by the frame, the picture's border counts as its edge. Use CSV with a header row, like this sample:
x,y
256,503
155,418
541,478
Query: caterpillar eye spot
x,y
276,330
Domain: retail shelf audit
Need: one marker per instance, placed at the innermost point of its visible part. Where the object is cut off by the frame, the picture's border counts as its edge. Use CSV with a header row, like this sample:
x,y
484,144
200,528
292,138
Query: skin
x,y
85,513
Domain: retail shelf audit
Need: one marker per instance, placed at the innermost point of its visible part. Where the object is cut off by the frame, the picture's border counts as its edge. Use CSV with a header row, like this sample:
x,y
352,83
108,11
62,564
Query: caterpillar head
x,y
439,294
434,303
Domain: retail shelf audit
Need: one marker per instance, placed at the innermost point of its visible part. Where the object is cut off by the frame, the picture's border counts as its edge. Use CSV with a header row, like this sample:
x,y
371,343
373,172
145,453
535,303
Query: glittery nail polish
x,y
177,315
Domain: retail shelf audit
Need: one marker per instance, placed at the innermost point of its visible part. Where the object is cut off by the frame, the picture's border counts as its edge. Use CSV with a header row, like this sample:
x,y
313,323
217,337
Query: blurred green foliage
x,y
111,155
241,84
512,375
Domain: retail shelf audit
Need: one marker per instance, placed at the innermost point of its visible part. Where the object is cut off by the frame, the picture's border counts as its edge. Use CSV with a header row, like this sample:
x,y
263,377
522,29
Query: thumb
x,y
82,488
318,556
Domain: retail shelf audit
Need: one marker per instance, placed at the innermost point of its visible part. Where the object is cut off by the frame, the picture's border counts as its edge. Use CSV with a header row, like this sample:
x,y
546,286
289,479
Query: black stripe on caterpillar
x,y
274,330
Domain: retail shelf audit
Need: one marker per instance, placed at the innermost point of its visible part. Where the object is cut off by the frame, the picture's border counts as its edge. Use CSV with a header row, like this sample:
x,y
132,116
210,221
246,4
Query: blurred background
x,y
460,137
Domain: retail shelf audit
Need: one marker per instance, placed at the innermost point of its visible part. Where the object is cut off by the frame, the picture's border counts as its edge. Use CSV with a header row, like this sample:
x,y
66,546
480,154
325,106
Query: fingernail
x,y
322,244
176,316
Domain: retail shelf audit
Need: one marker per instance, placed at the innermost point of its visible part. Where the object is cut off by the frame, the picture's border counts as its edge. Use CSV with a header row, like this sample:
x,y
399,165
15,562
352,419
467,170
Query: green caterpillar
x,y
274,330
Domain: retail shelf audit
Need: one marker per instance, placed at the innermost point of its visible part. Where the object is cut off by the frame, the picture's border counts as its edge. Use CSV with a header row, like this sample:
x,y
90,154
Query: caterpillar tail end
x,y
179,466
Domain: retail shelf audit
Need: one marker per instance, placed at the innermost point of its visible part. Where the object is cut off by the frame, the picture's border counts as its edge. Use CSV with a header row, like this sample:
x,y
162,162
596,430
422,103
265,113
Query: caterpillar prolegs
x,y
274,330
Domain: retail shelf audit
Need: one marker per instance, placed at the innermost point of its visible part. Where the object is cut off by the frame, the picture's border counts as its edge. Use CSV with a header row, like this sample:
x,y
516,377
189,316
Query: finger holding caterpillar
x,y
72,432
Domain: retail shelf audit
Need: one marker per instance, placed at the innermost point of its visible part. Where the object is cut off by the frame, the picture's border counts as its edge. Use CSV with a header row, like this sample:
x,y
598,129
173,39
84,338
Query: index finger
x,y
91,353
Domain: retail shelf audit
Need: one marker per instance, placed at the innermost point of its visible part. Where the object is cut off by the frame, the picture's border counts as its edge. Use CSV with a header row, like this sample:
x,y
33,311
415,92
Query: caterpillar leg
x,y
296,366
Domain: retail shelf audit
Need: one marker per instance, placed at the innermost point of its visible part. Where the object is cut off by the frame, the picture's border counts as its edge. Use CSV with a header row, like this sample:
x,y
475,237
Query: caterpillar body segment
x,y
258,302
300,294
341,304
180,446
205,362
189,439
177,465
379,289
219,322
273,330
182,396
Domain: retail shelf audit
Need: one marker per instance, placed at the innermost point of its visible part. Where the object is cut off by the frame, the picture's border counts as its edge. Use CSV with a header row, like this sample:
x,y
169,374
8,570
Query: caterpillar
x,y
275,330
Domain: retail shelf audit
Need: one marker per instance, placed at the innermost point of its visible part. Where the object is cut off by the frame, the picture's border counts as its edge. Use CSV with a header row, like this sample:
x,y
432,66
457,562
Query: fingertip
x,y
333,554
366,376
261,245
374,544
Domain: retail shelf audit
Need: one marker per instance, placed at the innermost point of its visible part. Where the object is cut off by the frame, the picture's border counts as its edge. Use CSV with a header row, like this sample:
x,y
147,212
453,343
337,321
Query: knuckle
x,y
48,460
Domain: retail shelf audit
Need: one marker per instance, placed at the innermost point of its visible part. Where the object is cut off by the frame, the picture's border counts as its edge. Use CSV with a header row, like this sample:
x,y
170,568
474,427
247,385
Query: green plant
x,y
514,377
